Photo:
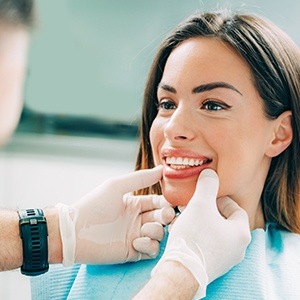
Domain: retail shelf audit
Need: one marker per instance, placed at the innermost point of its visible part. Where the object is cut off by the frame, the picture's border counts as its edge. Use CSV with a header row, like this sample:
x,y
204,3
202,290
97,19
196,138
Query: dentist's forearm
x,y
171,281
10,242
11,252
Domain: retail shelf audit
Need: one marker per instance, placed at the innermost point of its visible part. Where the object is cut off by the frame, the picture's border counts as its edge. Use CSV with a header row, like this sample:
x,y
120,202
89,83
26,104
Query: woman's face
x,y
211,116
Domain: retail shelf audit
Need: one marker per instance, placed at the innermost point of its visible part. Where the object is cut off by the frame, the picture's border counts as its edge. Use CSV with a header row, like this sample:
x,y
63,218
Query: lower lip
x,y
170,173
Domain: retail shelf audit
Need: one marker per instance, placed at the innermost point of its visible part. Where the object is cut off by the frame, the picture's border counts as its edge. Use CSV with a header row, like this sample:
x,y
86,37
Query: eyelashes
x,y
213,105
166,105
208,105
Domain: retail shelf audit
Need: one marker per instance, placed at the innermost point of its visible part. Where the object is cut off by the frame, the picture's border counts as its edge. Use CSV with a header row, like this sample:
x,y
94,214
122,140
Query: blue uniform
x,y
270,270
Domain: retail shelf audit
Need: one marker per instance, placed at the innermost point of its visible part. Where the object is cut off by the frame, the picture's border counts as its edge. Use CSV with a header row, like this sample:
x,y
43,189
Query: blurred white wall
x,y
39,171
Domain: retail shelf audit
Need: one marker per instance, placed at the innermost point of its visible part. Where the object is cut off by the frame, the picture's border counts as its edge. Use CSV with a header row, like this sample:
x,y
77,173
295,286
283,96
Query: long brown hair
x,y
274,61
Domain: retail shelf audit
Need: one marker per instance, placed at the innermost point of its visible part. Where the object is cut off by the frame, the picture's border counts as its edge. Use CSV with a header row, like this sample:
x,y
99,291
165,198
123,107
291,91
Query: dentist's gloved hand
x,y
205,240
103,226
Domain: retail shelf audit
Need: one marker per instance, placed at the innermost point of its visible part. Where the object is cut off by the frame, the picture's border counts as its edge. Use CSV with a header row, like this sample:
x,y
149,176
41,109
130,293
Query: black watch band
x,y
34,235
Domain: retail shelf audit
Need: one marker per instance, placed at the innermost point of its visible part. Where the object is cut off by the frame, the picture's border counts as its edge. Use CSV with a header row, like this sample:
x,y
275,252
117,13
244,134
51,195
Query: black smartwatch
x,y
34,235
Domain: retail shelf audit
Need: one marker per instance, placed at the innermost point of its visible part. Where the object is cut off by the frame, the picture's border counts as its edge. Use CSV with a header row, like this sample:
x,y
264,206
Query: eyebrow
x,y
202,88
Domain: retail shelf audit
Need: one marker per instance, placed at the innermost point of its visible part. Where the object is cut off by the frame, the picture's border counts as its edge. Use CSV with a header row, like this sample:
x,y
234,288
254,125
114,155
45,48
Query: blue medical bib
x,y
270,270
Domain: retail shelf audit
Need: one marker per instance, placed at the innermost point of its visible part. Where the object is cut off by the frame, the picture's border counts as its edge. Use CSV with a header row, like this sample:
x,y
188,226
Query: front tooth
x,y
191,162
172,160
185,161
179,160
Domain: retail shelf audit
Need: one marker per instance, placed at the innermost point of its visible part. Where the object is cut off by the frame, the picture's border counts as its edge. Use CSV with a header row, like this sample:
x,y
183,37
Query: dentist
x,y
33,238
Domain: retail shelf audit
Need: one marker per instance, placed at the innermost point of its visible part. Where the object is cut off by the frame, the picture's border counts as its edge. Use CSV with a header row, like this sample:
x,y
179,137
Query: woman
x,y
267,63
223,94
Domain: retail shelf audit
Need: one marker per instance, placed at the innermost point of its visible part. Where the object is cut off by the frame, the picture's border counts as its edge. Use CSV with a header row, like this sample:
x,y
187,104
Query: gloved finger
x,y
163,216
172,223
206,189
153,230
149,202
136,180
229,209
147,247
233,212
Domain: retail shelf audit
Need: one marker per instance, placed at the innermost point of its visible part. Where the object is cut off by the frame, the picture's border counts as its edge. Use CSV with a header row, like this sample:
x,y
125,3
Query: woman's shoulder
x,y
284,243
278,234
275,244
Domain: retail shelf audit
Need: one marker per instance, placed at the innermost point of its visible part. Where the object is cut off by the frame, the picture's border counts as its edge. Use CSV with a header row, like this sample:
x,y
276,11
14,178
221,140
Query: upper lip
x,y
171,152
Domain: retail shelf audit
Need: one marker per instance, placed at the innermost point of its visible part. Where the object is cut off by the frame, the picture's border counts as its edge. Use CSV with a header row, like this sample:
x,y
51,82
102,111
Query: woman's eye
x,y
166,105
213,105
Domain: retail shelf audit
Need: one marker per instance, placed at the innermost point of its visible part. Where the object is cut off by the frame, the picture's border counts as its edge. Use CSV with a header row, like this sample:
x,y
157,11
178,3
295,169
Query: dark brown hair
x,y
274,61
17,12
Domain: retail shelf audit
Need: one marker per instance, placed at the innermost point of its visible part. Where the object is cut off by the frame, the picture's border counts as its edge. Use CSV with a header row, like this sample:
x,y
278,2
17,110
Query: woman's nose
x,y
180,127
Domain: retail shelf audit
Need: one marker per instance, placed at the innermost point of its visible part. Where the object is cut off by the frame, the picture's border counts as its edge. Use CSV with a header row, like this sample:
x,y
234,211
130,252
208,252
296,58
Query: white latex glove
x,y
102,227
208,242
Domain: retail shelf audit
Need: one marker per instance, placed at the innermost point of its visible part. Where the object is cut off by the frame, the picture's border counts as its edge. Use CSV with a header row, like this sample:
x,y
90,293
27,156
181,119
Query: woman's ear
x,y
283,134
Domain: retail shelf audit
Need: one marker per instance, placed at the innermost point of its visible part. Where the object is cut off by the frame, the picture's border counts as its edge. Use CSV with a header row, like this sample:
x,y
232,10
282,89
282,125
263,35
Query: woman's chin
x,y
177,198
178,192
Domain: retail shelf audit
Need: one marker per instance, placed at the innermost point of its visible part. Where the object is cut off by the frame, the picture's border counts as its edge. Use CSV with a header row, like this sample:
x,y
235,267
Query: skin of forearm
x,y
11,252
171,281
54,239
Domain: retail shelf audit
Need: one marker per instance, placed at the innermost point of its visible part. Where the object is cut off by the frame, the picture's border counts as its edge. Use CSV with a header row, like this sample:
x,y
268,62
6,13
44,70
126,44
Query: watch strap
x,y
34,235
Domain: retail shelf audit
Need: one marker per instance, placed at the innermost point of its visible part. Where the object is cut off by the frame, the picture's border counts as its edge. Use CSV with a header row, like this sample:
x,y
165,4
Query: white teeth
x,y
171,160
179,161
186,161
191,162
178,167
183,162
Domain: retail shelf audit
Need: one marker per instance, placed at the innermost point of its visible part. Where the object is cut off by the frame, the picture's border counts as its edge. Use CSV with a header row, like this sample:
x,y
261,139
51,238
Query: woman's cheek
x,y
154,131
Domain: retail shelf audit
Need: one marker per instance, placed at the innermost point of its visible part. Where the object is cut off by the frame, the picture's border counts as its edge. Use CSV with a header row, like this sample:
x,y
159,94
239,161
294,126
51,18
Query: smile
x,y
179,163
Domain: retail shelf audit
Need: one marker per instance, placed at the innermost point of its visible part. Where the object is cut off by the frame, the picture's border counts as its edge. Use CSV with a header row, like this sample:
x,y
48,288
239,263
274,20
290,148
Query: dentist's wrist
x,y
54,239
